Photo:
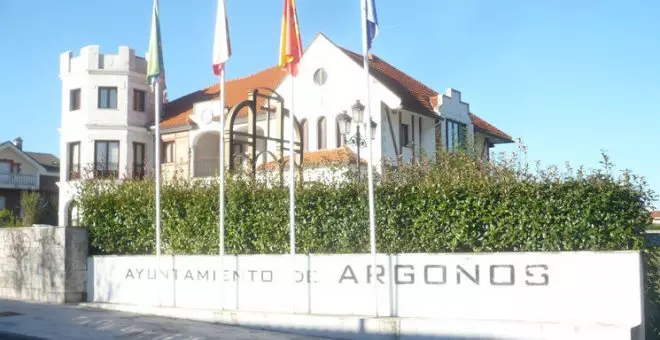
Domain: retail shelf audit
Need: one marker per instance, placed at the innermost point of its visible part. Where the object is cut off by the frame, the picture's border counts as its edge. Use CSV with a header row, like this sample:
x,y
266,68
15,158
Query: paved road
x,y
35,321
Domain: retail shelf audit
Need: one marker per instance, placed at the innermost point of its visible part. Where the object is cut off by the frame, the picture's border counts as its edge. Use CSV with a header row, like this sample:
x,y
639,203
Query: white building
x,y
107,109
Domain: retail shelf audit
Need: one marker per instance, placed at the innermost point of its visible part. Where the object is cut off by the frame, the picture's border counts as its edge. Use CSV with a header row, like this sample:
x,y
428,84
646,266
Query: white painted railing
x,y
18,179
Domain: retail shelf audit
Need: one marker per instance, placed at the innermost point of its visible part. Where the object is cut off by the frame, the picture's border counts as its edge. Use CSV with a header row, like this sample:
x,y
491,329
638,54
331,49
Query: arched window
x,y
321,135
340,139
305,134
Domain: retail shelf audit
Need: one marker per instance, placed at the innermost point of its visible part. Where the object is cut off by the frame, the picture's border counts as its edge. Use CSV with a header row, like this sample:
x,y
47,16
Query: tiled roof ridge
x,y
211,86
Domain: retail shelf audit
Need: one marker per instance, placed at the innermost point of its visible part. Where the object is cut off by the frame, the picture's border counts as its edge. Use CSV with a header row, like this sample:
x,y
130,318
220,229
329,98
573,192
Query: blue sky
x,y
570,78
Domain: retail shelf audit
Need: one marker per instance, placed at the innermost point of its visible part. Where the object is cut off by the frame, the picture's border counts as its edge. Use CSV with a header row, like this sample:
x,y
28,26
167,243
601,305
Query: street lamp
x,y
358,112
345,122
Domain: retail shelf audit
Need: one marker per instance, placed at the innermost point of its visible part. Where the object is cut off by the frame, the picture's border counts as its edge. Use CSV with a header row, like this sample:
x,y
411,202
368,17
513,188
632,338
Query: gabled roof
x,y
48,161
484,126
177,112
44,161
415,96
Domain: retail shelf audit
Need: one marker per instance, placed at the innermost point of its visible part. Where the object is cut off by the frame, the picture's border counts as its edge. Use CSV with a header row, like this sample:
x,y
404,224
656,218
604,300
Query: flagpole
x,y
222,162
372,219
292,196
157,162
222,181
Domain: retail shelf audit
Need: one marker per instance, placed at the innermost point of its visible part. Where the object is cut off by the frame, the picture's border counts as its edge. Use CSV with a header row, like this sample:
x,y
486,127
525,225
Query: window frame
x,y
404,131
110,89
461,134
104,172
71,174
139,100
321,133
138,164
74,105
164,154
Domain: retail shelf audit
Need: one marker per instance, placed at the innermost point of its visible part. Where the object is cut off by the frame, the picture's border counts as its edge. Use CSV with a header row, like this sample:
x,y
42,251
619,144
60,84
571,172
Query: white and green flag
x,y
155,66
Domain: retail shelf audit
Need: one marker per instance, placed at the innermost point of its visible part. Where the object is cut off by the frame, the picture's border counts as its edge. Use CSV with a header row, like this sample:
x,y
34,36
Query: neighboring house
x,y
22,171
655,216
107,118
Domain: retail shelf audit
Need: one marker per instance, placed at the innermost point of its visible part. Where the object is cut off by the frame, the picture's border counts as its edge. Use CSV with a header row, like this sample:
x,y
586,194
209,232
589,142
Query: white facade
x,y
192,149
102,117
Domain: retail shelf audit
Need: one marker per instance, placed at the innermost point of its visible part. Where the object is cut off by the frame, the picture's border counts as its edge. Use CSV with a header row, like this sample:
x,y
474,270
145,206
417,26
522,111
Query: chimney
x,y
18,141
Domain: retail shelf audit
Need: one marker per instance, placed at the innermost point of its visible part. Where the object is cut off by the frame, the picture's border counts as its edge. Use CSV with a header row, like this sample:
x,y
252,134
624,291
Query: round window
x,y
320,77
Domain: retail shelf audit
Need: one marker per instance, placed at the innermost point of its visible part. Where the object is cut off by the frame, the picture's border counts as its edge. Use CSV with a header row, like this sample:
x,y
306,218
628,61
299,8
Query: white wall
x,y
88,71
345,84
571,288
453,108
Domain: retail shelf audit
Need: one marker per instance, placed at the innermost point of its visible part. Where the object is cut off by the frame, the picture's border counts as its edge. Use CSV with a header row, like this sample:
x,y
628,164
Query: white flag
x,y
221,44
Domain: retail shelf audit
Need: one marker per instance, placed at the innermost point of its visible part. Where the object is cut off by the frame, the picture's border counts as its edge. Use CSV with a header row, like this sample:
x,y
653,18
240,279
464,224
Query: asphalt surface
x,y
37,321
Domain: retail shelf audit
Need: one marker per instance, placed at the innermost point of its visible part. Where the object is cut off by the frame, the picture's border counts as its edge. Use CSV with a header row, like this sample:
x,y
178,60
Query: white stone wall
x,y
497,293
46,264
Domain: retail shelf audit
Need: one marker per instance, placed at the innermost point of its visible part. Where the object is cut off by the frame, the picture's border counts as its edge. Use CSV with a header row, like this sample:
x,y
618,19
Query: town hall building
x,y
107,127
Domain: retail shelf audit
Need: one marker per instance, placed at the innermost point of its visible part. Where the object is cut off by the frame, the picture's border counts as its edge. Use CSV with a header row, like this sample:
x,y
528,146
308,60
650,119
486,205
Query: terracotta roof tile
x,y
656,214
487,127
337,156
177,112
414,95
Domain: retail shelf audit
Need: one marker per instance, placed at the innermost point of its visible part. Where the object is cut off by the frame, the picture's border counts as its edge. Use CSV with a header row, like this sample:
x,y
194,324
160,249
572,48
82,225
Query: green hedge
x,y
453,204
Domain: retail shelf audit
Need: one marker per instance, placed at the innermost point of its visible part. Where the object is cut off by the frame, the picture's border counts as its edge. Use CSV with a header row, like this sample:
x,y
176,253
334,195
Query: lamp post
x,y
345,122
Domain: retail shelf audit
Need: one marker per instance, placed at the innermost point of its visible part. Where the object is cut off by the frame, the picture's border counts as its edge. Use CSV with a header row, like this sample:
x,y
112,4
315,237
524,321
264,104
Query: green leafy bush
x,y
31,207
8,219
453,203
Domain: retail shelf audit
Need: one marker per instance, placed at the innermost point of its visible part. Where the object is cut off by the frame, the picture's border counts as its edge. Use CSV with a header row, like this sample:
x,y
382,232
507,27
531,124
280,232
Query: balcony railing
x,y
18,179
106,170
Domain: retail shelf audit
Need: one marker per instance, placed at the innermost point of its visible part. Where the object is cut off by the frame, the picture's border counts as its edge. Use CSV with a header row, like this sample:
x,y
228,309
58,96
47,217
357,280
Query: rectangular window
x,y
404,135
74,100
74,161
138,160
106,159
168,152
455,135
107,97
139,100
5,172
3,203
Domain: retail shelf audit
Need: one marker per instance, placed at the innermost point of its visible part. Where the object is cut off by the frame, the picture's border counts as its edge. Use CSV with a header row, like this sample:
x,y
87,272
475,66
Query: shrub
x,y
453,203
31,207
8,219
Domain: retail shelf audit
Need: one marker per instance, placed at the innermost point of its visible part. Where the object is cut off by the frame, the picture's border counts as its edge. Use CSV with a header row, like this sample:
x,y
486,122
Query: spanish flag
x,y
290,43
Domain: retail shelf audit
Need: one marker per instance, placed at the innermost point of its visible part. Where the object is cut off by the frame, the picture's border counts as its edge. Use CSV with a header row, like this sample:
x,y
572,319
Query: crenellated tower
x,y
107,112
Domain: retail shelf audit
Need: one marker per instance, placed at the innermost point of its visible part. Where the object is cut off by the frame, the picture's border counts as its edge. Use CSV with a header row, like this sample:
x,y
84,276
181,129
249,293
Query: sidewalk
x,y
35,321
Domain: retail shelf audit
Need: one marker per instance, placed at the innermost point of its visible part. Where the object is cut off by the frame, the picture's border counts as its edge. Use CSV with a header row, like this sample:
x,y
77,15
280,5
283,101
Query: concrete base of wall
x,y
370,328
